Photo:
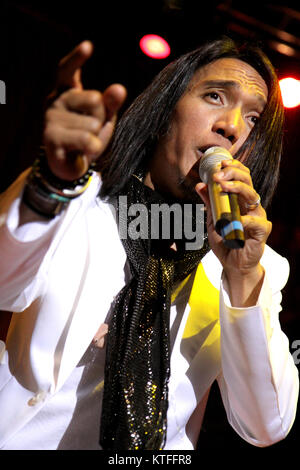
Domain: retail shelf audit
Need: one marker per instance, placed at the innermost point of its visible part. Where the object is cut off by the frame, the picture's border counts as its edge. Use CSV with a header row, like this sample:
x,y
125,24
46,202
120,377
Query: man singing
x,y
115,342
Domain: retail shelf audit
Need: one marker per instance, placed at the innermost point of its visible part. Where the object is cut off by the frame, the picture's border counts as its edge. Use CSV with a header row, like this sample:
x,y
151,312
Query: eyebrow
x,y
230,84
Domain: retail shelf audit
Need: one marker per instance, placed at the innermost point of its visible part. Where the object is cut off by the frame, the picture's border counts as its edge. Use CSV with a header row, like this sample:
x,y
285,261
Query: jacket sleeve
x,y
23,251
259,382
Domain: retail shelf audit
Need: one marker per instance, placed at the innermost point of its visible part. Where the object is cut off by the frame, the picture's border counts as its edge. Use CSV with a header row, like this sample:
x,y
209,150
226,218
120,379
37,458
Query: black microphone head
x,y
210,161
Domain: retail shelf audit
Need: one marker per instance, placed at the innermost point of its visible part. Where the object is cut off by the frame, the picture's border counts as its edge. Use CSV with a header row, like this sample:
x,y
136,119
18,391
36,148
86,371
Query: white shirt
x,y
62,277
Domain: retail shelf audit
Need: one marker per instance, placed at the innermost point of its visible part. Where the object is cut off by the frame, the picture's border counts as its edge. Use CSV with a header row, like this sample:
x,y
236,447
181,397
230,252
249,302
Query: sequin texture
x,y
137,371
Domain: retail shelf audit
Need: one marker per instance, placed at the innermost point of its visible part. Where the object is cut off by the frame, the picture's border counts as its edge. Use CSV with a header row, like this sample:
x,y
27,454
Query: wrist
x,y
244,286
40,201
48,195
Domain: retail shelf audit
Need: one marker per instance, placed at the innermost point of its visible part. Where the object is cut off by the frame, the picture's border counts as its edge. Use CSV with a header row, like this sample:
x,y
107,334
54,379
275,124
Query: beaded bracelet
x,y
49,195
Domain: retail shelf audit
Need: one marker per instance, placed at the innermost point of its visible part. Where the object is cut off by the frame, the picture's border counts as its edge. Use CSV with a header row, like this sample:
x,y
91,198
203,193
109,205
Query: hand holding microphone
x,y
225,207
242,269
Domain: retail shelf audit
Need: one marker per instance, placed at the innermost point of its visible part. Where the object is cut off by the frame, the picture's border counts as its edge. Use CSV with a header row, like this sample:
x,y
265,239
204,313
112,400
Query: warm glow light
x,y
290,92
155,46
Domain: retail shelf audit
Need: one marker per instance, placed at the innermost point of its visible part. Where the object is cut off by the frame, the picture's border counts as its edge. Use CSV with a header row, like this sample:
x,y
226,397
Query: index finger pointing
x,y
69,69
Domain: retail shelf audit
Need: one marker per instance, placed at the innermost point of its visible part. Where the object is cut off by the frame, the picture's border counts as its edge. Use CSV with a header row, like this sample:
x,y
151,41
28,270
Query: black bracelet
x,y
66,189
49,195
38,200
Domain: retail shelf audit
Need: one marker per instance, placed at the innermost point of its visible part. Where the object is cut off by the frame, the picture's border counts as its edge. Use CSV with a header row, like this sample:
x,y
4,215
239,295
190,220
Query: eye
x,y
213,96
254,120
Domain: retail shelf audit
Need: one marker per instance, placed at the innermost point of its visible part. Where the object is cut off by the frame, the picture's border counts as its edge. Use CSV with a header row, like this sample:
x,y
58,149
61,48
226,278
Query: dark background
x,y
35,35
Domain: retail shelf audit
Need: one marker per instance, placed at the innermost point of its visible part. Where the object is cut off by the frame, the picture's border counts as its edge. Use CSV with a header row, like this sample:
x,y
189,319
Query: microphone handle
x,y
226,216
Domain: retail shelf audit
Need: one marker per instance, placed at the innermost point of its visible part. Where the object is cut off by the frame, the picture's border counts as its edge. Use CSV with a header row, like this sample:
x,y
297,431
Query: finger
x,y
69,68
113,98
99,338
233,173
258,228
106,132
202,189
246,193
235,163
70,120
83,101
81,141
67,165
102,106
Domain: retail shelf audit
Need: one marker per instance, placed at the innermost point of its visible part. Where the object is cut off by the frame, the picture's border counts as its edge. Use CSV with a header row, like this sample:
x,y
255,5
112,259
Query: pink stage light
x,y
155,46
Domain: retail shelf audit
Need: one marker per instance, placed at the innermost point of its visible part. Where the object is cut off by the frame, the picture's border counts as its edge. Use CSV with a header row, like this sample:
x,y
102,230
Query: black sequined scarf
x,y
137,368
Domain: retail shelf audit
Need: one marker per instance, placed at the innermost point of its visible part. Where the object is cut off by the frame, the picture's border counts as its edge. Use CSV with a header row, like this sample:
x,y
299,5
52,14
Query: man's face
x,y
222,104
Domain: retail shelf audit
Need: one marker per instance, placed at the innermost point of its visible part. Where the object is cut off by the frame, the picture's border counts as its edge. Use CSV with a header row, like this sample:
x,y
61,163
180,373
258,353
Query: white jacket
x,y
63,276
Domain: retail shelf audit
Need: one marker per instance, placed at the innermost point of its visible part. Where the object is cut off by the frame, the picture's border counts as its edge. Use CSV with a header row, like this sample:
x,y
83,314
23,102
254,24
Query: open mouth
x,y
202,150
200,153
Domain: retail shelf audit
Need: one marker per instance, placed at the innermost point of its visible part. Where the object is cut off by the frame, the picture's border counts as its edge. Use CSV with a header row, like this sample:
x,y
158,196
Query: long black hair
x,y
149,117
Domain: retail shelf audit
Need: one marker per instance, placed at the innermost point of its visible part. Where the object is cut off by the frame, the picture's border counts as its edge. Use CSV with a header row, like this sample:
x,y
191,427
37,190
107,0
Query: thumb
x,y
202,190
69,68
113,98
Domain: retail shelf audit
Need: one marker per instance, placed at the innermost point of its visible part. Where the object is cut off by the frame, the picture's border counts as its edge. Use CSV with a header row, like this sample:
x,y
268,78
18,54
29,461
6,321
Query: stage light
x,y
290,92
155,46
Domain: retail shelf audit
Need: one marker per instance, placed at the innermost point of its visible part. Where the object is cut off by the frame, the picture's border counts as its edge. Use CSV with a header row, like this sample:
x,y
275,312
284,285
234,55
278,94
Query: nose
x,y
230,125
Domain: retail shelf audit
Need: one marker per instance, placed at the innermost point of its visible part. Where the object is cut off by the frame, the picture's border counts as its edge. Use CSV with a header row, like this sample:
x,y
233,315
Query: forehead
x,y
233,71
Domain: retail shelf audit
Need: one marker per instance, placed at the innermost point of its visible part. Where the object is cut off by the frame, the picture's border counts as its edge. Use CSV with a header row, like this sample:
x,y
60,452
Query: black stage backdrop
x,y
35,35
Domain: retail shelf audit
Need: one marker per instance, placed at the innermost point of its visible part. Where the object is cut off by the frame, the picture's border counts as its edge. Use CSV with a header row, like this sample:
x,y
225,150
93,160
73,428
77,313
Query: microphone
x,y
225,207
